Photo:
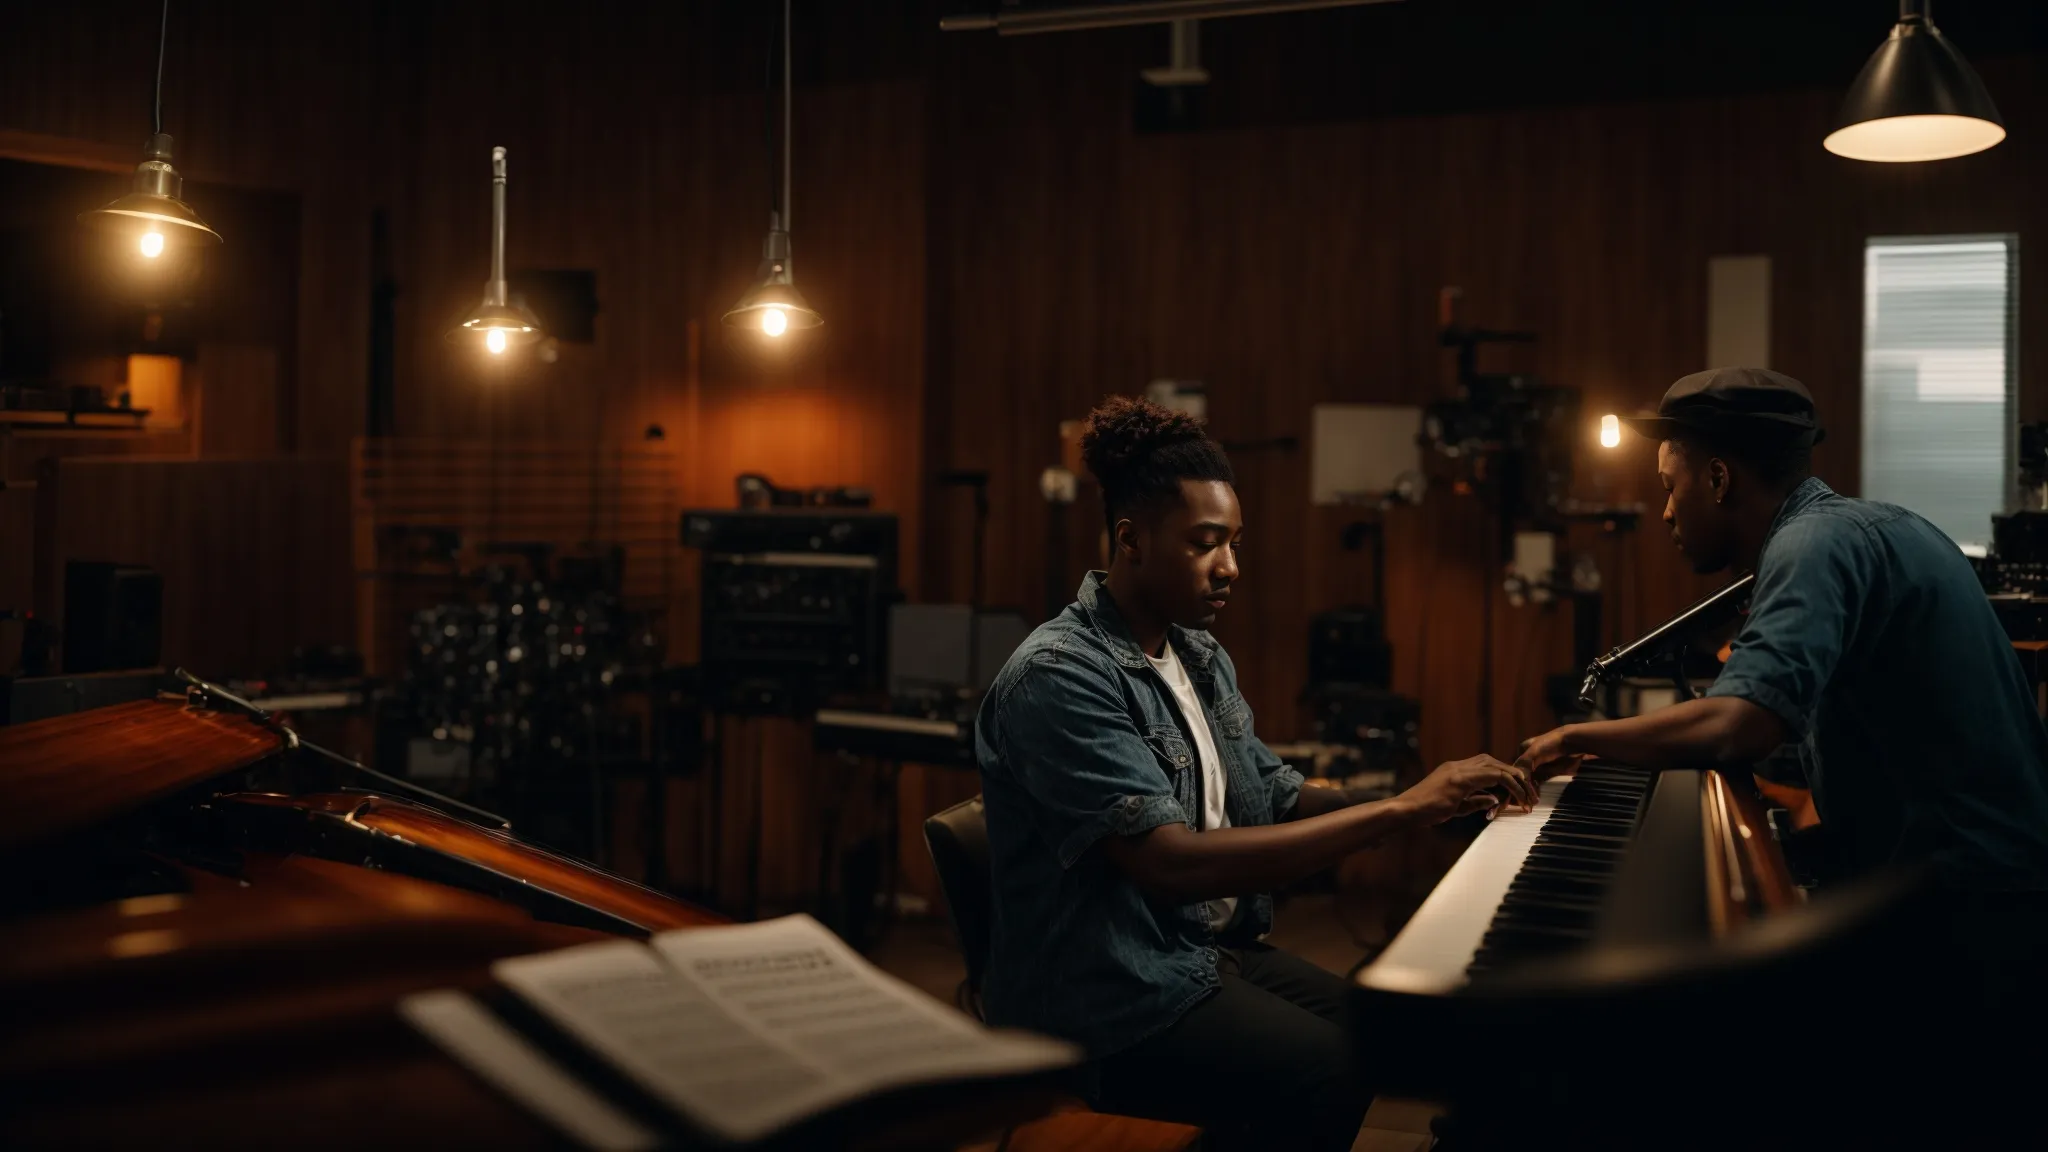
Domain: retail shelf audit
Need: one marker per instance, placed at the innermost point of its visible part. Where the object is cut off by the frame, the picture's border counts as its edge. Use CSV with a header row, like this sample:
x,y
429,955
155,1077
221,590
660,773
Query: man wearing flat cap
x,y
1869,642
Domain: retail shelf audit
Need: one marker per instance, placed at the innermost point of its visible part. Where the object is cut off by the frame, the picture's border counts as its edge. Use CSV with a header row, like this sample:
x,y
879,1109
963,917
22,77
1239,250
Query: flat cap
x,y
1735,405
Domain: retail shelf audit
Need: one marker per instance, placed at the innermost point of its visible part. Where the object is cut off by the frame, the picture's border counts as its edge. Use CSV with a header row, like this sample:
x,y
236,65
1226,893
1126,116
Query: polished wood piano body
x,y
187,961
1632,965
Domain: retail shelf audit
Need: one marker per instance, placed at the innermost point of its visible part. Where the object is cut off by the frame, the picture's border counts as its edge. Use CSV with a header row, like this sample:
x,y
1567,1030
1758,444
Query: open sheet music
x,y
746,1029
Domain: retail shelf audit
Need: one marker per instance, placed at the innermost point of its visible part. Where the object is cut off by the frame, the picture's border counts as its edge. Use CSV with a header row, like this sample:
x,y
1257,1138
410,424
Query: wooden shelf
x,y
97,422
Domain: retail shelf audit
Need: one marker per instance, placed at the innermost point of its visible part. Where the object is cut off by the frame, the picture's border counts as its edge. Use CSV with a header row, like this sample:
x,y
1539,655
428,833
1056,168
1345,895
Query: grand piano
x,y
203,940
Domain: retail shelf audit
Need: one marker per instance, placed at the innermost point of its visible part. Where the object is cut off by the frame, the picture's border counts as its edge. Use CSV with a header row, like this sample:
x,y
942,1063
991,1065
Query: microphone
x,y
1665,639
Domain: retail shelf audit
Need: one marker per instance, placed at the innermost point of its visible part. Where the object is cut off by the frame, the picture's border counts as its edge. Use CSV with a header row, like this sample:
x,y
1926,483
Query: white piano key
x,y
1431,954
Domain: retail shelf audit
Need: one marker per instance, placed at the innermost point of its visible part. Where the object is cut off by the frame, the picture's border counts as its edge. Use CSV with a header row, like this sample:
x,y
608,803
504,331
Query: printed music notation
x,y
746,1029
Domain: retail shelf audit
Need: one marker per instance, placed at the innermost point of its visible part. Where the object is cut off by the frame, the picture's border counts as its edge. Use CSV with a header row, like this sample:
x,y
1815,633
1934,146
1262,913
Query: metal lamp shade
x,y
516,321
154,203
775,289
796,311
1917,99
500,312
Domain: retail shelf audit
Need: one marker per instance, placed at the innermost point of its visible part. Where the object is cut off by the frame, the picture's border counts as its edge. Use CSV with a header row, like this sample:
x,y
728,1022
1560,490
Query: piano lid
x,y
71,772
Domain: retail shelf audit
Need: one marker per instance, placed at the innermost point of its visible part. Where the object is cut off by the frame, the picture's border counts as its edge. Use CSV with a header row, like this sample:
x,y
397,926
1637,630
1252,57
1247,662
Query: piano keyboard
x,y
900,738
1530,885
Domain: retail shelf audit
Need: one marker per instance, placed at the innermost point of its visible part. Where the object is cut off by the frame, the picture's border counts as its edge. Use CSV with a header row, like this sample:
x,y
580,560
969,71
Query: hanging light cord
x,y
163,33
768,131
785,114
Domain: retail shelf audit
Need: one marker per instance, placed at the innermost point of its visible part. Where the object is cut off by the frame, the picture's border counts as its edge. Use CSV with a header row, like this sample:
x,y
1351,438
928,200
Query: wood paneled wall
x,y
618,166
636,151
263,95
1287,266
995,249
635,134
630,155
250,566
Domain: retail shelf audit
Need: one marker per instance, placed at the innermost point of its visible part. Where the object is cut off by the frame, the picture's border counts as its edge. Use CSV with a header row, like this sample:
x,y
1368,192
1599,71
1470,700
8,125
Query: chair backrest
x,y
958,840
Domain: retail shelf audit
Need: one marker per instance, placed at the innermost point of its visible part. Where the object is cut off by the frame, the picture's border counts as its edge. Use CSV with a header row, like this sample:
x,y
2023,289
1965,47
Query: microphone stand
x,y
1670,639
978,481
206,694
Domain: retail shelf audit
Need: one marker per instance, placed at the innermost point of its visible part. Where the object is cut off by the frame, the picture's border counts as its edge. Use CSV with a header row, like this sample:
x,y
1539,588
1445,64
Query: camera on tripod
x,y
1509,436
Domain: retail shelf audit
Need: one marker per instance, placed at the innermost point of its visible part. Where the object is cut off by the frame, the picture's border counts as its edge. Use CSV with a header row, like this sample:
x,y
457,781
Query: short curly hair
x,y
1140,452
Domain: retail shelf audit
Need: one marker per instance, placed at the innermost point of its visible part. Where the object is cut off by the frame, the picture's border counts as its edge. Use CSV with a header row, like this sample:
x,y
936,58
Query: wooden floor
x,y
922,952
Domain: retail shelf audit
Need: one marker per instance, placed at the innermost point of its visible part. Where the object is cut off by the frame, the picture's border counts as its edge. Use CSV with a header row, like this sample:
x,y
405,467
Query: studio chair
x,y
958,840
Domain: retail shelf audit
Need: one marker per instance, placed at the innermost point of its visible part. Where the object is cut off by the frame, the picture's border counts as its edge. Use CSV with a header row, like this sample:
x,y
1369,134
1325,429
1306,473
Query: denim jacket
x,y
1870,637
1079,738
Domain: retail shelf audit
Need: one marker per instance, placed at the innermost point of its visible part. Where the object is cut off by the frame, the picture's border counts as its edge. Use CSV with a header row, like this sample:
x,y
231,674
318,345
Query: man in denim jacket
x,y
1868,642
1136,824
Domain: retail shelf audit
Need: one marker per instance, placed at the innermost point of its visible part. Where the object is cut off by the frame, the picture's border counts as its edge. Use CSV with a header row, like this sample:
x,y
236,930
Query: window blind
x,y
1939,378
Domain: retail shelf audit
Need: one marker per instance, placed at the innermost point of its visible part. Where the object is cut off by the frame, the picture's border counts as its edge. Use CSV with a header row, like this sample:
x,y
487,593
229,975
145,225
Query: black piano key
x,y
1554,901
1592,893
1580,839
1597,855
1555,913
1577,880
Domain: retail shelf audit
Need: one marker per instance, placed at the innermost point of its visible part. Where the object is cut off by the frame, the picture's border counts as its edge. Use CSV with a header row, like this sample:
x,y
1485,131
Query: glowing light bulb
x,y
152,244
774,321
495,341
1610,431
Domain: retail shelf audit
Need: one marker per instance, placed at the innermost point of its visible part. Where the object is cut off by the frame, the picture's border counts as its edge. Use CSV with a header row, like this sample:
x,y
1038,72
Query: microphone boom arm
x,y
1666,640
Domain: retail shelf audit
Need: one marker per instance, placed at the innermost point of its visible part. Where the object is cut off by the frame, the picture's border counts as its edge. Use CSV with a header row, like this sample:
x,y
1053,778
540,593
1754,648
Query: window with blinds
x,y
1939,378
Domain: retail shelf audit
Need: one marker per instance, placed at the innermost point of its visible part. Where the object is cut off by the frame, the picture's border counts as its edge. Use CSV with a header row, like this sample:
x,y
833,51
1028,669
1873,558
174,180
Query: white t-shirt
x,y
1214,814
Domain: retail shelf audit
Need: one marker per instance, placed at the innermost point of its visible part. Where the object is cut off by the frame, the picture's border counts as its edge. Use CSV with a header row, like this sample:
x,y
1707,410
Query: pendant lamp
x,y
153,213
1917,99
773,306
500,322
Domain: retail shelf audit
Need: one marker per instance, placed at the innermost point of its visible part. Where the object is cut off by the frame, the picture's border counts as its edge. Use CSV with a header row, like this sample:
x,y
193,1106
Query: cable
x,y
163,33
1543,623
1429,587
1489,587
768,133
785,115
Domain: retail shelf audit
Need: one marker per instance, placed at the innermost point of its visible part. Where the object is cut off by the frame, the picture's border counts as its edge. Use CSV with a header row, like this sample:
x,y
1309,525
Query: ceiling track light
x,y
1011,21
773,306
1917,99
500,322
154,213
1184,58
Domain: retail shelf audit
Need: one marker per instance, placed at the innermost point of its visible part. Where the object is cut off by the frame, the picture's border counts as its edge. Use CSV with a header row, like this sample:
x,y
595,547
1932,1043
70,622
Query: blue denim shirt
x,y
1079,738
1869,635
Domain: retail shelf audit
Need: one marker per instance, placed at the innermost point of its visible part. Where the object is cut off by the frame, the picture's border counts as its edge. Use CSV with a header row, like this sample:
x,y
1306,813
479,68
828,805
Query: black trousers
x,y
1264,1063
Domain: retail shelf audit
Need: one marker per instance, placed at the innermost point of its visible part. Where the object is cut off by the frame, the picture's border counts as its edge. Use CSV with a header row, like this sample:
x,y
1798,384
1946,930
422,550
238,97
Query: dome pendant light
x,y
499,321
774,306
1917,99
153,214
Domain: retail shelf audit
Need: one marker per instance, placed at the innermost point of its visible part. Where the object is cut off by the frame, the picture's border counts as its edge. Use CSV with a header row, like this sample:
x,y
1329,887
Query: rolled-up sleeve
x,y
1067,739
1811,590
